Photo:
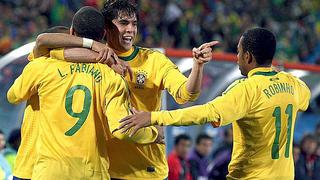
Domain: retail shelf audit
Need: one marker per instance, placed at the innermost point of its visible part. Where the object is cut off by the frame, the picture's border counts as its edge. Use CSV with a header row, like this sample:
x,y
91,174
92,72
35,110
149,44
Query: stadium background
x,y
172,25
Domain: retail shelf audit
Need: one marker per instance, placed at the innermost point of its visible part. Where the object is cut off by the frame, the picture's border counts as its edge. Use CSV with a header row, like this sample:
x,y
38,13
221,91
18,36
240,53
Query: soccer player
x,y
262,109
26,155
153,72
79,107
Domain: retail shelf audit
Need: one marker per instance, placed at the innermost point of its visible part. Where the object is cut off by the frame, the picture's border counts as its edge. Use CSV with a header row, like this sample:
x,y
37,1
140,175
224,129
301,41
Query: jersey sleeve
x,y
225,109
174,81
27,83
304,95
117,107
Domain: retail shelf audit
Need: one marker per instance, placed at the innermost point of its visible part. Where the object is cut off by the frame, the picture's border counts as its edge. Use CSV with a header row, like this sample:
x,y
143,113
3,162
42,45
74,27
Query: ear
x,y
104,34
249,57
71,31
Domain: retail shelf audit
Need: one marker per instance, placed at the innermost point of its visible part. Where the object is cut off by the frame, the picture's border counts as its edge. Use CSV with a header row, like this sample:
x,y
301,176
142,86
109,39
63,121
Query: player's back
x,y
72,139
263,138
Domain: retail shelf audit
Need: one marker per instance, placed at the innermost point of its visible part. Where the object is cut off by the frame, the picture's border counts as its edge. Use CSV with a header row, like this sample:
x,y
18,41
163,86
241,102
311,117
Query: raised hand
x,y
203,54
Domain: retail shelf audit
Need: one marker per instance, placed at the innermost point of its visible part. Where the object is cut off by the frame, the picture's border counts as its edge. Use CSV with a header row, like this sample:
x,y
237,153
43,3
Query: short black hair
x,y
57,29
261,43
1,132
181,137
112,8
88,22
201,137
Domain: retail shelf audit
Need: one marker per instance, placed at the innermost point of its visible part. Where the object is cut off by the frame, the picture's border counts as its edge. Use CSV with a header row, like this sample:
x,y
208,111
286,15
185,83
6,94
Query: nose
x,y
130,28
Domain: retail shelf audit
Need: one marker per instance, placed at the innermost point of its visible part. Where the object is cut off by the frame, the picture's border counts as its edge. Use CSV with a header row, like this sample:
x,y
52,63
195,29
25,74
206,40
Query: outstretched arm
x,y
231,106
117,106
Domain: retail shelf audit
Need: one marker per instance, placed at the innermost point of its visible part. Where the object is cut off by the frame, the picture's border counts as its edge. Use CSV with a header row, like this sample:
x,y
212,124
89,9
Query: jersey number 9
x,y
82,116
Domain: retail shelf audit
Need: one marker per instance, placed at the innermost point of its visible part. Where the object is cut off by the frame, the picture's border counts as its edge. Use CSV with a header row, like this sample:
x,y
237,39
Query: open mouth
x,y
127,39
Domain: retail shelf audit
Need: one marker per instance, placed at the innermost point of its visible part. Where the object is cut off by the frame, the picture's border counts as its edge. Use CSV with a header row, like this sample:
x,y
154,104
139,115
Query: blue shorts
x,y
16,178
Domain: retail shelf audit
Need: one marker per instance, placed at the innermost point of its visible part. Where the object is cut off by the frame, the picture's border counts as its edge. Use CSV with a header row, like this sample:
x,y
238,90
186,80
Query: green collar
x,y
270,73
132,55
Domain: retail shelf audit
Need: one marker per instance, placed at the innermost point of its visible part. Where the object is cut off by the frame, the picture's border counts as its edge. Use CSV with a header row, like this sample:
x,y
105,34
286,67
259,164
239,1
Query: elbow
x,y
11,98
188,98
41,40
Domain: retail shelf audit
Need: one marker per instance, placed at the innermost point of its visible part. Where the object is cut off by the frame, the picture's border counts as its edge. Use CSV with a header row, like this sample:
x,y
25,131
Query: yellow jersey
x,y
262,109
75,100
26,155
153,72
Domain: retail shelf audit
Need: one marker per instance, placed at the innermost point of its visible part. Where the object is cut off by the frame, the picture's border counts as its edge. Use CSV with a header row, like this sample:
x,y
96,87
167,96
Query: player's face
x,y
241,59
123,34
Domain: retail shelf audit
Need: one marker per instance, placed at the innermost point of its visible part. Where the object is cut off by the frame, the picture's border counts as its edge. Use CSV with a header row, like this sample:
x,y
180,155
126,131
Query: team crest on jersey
x,y
141,79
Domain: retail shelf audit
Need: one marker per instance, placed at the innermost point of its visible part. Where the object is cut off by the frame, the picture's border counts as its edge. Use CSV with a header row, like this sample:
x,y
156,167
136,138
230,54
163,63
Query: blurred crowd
x,y
182,23
206,159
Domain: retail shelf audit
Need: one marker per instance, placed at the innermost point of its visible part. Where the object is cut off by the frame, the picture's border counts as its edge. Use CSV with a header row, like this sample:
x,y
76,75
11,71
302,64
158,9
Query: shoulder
x,y
38,63
240,83
153,53
295,79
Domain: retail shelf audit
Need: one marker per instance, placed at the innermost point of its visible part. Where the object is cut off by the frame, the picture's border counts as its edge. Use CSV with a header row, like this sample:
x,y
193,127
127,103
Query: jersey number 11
x,y
276,144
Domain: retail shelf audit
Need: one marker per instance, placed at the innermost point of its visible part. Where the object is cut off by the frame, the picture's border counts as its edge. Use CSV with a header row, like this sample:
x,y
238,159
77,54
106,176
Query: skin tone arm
x,y
201,55
99,52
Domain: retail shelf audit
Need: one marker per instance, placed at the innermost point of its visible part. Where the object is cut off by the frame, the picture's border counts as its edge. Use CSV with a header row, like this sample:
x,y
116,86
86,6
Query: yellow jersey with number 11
x,y
262,109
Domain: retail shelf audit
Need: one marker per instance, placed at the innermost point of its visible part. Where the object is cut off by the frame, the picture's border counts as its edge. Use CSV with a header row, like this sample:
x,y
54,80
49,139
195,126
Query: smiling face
x,y
123,33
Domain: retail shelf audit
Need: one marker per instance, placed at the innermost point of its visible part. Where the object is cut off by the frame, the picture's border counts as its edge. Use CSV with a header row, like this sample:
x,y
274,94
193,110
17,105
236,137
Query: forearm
x,y
195,78
143,136
82,55
194,115
47,41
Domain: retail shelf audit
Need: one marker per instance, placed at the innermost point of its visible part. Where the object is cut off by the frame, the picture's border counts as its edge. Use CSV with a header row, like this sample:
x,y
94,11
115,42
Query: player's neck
x,y
125,53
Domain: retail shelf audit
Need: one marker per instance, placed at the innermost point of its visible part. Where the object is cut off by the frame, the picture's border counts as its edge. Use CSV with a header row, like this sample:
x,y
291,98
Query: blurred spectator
x,y
179,168
198,158
2,141
218,168
296,152
308,164
182,24
11,150
5,170
317,133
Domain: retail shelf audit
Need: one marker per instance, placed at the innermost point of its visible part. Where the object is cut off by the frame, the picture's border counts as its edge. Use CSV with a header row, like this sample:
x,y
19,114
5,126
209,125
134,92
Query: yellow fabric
x,y
250,105
26,155
153,72
2,174
71,93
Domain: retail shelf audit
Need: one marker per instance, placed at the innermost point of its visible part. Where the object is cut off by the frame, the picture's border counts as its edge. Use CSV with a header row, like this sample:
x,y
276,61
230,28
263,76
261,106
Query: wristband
x,y
87,43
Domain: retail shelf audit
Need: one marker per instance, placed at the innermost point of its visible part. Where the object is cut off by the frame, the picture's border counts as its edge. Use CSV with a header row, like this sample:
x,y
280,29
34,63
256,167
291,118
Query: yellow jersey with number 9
x,y
74,101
